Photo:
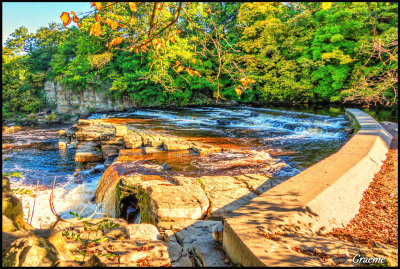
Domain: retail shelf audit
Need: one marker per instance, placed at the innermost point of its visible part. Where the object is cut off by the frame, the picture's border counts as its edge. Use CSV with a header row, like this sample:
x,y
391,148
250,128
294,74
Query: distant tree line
x,y
178,54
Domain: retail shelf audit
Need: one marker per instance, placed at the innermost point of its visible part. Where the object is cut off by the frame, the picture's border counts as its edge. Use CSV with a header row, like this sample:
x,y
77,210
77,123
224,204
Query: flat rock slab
x,y
169,202
257,183
226,194
139,253
197,238
143,231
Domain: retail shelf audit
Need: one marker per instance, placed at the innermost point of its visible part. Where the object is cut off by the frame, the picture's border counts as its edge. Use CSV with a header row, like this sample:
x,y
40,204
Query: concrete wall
x,y
83,102
322,197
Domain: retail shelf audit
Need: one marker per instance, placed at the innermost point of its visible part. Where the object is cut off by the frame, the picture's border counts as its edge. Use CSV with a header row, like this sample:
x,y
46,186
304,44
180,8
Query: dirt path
x,y
377,220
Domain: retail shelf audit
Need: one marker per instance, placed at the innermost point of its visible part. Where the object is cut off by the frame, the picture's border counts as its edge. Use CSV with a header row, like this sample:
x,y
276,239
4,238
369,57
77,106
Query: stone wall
x,y
83,102
308,205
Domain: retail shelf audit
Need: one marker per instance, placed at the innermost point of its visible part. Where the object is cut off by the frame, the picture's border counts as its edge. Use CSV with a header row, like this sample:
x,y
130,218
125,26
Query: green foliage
x,y
295,52
13,174
90,228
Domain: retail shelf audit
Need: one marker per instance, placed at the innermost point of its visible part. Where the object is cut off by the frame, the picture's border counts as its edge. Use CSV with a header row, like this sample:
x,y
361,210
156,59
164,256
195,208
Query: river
x,y
297,139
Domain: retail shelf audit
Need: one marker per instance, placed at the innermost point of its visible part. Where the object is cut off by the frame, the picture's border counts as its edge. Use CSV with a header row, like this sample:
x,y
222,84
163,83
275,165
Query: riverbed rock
x,y
143,231
5,184
161,201
8,225
29,251
226,194
12,209
257,183
11,129
88,152
197,239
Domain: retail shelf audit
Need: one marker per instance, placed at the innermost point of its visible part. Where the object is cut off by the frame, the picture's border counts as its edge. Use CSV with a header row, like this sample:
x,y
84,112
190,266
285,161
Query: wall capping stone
x,y
320,198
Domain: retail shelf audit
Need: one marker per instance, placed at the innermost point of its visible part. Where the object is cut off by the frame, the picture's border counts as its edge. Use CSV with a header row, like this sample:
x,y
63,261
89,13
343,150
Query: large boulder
x,y
32,251
12,209
164,201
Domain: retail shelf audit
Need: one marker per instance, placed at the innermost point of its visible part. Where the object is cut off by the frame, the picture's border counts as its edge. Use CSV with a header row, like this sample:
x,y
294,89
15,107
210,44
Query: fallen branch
x,y
53,210
34,202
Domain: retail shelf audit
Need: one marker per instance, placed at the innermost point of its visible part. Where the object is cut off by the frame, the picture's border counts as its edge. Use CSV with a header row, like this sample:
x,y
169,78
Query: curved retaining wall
x,y
320,198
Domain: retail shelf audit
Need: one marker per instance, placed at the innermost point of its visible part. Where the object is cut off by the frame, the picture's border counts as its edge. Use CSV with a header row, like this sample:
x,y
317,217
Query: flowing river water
x,y
293,140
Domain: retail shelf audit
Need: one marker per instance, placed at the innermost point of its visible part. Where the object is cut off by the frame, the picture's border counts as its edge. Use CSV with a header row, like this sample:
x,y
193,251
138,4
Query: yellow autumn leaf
x,y
180,68
114,25
326,5
238,91
65,18
132,6
193,61
96,29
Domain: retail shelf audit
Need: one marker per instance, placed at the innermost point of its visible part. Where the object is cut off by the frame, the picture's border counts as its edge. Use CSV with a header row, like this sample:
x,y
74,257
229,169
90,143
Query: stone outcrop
x,y
83,102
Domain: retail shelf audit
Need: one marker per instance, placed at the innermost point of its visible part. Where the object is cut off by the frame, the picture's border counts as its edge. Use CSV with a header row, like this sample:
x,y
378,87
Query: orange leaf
x,y
79,25
197,73
108,21
238,91
133,7
65,18
137,50
118,40
190,71
98,5
180,68
114,25
119,18
75,18
173,39
97,18
96,29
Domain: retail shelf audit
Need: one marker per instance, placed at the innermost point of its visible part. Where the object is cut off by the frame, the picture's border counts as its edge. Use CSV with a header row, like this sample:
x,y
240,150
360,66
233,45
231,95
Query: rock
x,y
119,230
88,152
132,140
8,225
29,251
143,231
197,238
175,145
256,183
210,255
120,130
217,232
5,184
225,194
156,204
11,129
144,253
93,262
12,209
56,240
204,149
169,236
108,150
348,129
